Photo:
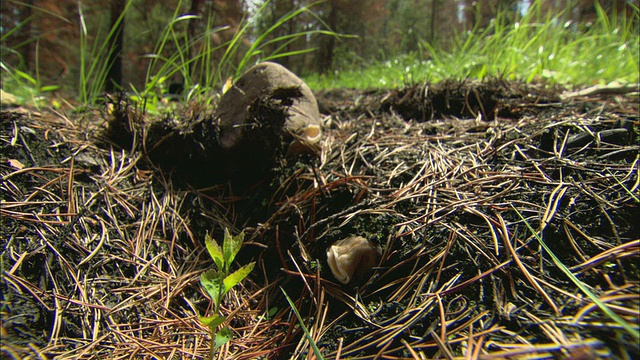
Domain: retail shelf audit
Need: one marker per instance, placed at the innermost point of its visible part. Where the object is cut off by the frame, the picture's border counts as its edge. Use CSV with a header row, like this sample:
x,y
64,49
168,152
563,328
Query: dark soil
x,y
102,240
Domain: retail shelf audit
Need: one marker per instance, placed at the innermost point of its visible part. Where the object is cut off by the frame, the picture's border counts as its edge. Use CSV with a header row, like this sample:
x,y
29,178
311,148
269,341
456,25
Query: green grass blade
x,y
287,54
94,65
612,315
316,351
260,41
151,81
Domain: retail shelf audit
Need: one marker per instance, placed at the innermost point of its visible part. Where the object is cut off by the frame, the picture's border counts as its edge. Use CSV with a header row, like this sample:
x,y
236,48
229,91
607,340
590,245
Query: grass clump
x,y
94,58
192,59
534,47
25,87
200,61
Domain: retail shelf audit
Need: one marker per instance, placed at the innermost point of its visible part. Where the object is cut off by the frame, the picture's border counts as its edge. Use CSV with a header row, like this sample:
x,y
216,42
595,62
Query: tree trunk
x,y
432,33
328,43
27,50
114,74
191,35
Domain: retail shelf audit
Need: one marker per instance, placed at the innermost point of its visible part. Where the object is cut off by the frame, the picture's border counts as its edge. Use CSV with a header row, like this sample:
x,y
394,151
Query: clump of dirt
x,y
102,253
485,100
267,114
189,149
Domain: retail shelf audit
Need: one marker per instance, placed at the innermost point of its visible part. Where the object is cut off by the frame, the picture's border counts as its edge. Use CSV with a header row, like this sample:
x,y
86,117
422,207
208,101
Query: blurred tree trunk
x,y
328,43
280,8
290,29
114,74
432,32
191,34
27,51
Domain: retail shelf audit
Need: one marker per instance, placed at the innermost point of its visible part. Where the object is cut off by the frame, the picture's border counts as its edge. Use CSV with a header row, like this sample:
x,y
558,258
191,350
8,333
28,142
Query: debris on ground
x,y
481,196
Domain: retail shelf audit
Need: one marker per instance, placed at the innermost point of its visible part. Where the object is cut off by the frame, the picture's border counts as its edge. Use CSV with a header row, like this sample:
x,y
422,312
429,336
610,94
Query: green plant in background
x,y
531,48
162,67
24,86
19,83
257,50
204,65
196,67
536,47
219,281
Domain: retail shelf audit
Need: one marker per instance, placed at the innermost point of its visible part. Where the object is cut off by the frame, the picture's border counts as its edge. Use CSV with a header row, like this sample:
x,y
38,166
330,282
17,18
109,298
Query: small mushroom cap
x,y
306,141
353,257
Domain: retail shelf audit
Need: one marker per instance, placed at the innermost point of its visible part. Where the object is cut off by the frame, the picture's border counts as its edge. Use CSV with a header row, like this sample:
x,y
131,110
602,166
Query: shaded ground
x,y
102,252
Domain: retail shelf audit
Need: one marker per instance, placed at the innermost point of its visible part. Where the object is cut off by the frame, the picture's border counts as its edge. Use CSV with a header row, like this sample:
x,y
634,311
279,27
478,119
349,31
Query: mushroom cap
x,y
353,257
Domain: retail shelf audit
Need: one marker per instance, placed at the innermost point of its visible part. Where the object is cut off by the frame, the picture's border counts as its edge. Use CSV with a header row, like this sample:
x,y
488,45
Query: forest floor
x,y
479,193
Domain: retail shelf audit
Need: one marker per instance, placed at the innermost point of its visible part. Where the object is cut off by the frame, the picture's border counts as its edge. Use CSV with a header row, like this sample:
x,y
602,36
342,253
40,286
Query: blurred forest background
x,y
53,40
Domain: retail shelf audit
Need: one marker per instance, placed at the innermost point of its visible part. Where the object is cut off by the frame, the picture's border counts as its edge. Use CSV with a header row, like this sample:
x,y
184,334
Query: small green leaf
x,y
237,276
214,285
231,246
215,251
212,321
272,311
49,88
222,337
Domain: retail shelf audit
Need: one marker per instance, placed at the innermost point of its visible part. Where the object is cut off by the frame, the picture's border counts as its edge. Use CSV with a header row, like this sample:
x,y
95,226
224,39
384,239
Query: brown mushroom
x,y
352,258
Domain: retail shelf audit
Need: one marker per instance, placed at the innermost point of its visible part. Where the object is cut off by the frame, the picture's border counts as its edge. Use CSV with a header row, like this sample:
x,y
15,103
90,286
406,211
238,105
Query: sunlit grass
x,y
534,48
23,87
403,70
529,50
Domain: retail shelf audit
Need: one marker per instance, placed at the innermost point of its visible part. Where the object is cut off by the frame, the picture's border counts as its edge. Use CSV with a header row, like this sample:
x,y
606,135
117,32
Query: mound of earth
x,y
500,209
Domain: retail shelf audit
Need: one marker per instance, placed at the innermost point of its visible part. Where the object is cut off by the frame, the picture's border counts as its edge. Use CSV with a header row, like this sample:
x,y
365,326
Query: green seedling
x,y
219,281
